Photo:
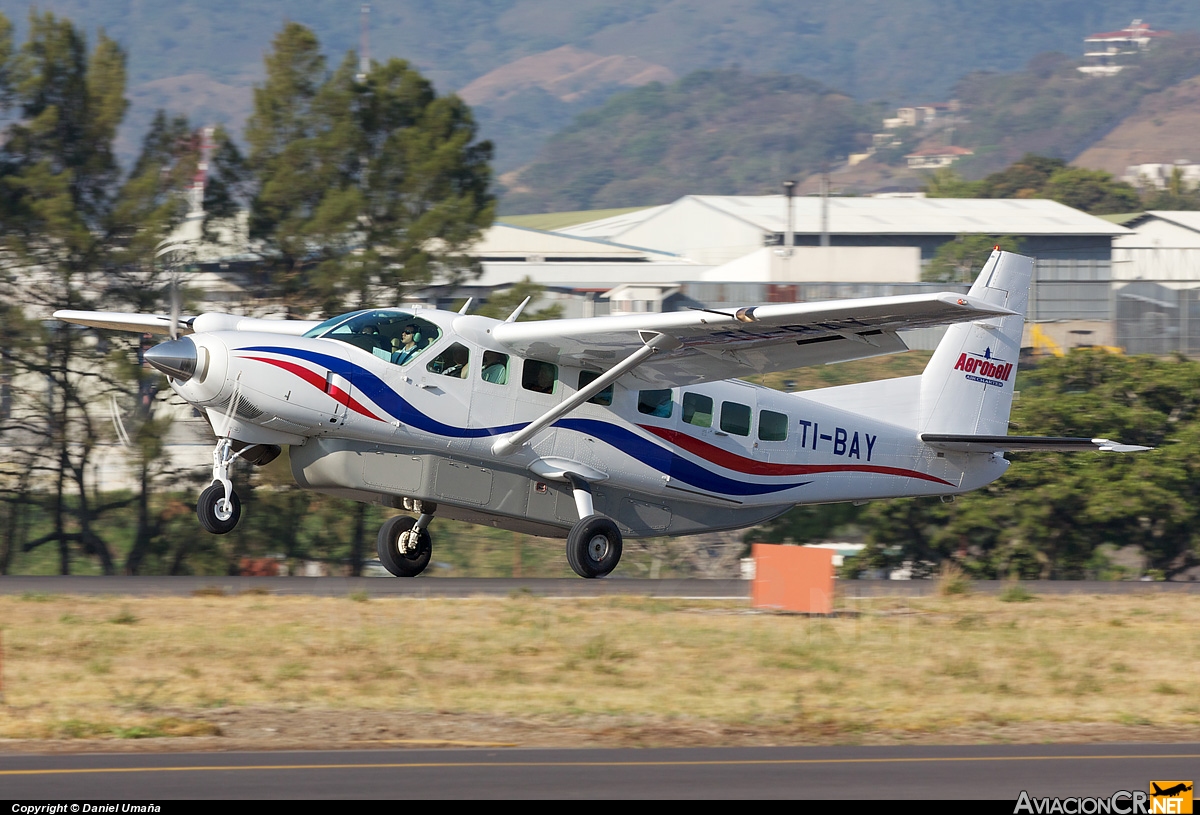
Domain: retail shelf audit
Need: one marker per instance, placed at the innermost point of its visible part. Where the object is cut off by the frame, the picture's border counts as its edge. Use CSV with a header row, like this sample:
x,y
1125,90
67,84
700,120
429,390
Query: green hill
x,y
202,58
726,132
1051,109
713,132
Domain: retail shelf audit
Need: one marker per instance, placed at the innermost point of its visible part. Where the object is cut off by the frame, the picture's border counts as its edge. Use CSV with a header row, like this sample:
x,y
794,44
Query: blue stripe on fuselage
x,y
648,452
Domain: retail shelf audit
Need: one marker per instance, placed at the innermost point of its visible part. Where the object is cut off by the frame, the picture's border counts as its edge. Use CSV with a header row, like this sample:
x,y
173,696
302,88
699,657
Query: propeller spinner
x,y
175,358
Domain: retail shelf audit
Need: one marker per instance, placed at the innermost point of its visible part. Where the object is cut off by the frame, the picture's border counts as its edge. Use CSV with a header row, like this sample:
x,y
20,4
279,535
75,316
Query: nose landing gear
x,y
219,507
219,514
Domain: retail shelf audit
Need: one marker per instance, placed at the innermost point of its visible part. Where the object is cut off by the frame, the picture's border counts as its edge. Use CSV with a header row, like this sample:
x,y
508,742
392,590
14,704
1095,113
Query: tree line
x,y
349,176
1053,515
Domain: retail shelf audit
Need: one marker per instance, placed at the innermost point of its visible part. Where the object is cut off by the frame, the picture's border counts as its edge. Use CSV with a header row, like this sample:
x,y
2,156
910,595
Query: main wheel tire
x,y
215,516
594,546
387,545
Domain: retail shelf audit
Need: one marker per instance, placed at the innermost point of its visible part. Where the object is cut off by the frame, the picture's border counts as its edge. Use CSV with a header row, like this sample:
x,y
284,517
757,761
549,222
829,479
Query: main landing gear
x,y
594,542
404,544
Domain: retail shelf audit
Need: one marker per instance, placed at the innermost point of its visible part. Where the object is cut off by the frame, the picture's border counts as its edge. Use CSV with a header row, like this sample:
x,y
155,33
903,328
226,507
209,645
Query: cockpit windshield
x,y
319,330
396,336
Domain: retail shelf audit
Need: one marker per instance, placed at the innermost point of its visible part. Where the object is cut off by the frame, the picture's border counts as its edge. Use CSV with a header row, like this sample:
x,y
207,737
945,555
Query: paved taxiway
x,y
966,773
543,587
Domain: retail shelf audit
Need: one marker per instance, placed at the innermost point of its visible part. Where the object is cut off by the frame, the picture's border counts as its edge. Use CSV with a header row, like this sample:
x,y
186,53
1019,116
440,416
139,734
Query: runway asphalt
x,y
544,587
974,774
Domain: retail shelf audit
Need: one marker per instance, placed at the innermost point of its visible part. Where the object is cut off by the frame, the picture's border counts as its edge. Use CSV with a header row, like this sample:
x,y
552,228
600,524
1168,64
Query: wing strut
x,y
654,342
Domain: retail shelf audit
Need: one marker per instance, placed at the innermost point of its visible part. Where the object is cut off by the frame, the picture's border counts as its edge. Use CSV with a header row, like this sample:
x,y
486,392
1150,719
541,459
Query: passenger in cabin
x,y
458,362
655,403
538,376
451,362
495,368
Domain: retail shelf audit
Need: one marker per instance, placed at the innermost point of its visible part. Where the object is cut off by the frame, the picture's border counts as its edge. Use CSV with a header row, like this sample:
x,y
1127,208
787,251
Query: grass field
x,y
126,668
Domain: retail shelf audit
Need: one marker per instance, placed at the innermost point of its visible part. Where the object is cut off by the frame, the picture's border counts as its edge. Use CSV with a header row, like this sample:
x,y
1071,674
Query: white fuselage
x,y
725,444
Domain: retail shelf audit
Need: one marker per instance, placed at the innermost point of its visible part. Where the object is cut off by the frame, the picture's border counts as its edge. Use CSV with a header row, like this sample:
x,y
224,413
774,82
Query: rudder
x,y
967,387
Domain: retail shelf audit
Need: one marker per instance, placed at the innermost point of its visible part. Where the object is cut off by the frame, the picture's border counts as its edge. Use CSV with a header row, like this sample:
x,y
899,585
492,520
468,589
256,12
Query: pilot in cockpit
x,y
407,345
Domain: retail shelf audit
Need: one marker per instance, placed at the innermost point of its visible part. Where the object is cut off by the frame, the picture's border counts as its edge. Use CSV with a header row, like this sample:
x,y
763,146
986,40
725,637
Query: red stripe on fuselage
x,y
318,382
731,461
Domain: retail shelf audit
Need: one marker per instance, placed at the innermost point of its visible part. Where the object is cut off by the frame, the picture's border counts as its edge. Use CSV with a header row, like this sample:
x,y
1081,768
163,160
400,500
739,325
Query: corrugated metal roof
x,y
615,225
1185,218
563,220
501,240
899,216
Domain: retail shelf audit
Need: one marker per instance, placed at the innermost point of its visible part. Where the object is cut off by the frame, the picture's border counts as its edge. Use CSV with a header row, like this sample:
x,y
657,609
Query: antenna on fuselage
x,y
517,311
466,307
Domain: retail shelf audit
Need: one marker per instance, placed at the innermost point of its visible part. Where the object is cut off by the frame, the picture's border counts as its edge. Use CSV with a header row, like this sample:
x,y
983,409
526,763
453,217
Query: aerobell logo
x,y
984,368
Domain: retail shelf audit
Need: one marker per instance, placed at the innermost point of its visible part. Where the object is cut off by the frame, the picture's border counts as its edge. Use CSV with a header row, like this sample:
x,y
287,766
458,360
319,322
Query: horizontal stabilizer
x,y
1023,444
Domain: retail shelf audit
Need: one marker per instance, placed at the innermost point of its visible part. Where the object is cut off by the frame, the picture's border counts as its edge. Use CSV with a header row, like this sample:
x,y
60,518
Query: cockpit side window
x,y
451,362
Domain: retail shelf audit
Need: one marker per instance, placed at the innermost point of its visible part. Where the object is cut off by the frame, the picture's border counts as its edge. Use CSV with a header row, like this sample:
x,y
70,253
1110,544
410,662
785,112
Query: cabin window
x,y
772,426
538,376
697,409
604,397
655,403
451,362
494,368
735,418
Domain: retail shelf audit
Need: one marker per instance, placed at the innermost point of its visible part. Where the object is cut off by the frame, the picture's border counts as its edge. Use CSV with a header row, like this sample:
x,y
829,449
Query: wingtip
x,y
979,305
1107,446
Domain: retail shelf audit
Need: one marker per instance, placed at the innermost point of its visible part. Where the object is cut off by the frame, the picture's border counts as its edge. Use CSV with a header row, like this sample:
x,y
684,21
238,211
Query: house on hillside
x,y
1160,176
931,158
1110,53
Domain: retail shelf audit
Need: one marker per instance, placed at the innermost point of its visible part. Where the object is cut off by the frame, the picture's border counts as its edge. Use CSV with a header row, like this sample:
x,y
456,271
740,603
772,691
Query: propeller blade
x,y
174,327
118,424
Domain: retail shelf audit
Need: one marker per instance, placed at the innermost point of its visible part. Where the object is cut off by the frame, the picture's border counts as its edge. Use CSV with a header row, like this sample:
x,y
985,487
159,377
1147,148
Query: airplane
x,y
602,428
1170,792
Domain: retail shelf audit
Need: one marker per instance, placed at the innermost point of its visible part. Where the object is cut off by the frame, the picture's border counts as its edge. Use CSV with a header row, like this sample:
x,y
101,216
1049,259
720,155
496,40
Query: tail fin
x,y
967,387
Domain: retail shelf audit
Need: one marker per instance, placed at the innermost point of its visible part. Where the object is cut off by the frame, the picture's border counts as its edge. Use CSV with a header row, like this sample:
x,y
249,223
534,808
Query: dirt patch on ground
x,y
272,729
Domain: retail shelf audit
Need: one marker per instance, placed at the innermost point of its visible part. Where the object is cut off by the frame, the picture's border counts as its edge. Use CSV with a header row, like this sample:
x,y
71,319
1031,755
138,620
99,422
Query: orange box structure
x,y
792,578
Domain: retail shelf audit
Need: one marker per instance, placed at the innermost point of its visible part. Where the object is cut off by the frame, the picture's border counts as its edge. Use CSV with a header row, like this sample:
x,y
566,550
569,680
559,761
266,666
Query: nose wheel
x,y
217,513
218,507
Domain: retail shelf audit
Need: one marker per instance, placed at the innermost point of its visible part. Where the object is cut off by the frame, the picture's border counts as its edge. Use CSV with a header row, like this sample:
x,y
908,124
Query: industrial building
x,y
1156,284
849,247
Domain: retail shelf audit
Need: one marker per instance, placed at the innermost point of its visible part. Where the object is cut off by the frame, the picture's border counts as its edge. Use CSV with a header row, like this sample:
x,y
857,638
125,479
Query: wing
x,y
723,344
122,321
161,324
1024,444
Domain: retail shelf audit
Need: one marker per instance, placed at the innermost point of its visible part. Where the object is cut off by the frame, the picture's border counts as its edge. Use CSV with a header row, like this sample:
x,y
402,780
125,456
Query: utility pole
x,y
789,237
824,206
364,47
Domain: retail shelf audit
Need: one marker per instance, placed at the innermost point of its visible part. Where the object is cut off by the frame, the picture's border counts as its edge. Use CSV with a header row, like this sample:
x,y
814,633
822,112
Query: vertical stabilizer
x,y
967,387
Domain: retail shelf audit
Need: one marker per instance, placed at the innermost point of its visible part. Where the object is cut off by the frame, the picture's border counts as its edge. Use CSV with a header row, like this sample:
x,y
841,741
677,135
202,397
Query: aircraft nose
x,y
175,358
